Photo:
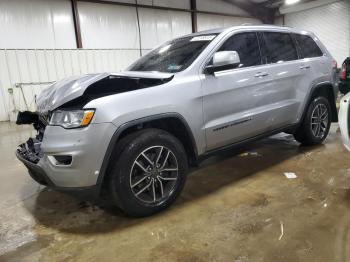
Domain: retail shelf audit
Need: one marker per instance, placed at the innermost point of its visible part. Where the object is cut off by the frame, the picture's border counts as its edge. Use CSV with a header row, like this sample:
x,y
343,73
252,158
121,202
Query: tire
x,y
137,184
314,130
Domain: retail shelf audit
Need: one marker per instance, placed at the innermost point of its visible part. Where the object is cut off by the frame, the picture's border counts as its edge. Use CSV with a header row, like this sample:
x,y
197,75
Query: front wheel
x,y
149,173
315,126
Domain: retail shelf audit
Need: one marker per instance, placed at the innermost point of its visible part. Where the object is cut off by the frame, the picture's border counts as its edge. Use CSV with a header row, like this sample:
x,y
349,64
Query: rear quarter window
x,y
307,47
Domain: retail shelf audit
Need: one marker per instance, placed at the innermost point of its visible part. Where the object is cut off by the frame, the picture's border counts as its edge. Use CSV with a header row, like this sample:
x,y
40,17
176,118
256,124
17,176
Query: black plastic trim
x,y
132,123
35,171
332,103
245,141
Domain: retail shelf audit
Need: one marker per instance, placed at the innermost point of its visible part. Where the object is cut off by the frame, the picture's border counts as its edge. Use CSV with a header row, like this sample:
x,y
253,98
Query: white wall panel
x,y
220,6
158,26
36,24
123,1
216,21
38,66
331,23
183,4
3,110
108,26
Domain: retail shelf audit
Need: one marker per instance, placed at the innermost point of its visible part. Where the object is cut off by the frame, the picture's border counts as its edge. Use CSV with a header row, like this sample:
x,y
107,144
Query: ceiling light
x,y
290,2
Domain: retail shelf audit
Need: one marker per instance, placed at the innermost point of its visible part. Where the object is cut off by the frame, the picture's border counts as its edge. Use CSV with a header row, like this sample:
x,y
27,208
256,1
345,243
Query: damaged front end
x,y
30,152
65,155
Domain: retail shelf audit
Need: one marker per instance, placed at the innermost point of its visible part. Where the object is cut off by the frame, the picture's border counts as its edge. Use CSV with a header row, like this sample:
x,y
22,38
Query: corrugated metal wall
x,y
208,21
331,23
37,67
40,43
36,24
112,26
215,21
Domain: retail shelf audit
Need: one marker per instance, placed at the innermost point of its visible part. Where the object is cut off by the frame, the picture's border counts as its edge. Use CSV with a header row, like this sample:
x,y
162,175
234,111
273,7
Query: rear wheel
x,y
149,173
315,126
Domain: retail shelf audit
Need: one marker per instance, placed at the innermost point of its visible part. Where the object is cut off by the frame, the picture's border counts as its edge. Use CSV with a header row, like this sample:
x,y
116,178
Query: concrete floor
x,y
233,208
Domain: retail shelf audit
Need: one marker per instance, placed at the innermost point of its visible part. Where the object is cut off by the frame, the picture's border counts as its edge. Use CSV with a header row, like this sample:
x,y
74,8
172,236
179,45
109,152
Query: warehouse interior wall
x,y
329,21
38,44
209,21
206,22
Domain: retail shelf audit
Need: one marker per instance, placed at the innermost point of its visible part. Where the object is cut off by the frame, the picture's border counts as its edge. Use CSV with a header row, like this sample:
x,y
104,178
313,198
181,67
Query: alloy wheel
x,y
319,120
154,174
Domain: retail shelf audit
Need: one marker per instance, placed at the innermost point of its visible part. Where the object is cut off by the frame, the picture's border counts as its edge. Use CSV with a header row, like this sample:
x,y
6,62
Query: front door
x,y
235,101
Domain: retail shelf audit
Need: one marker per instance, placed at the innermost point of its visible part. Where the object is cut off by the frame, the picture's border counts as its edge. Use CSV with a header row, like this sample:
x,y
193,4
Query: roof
x,y
247,26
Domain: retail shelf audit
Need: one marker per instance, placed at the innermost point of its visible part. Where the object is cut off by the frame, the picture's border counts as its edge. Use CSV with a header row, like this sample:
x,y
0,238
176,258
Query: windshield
x,y
173,56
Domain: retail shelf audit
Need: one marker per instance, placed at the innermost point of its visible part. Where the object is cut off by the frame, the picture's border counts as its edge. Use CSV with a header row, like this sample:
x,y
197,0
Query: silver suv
x,y
134,134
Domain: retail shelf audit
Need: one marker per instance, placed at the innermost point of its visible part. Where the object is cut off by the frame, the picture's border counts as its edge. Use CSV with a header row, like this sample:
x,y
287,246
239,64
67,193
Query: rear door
x,y
280,52
313,66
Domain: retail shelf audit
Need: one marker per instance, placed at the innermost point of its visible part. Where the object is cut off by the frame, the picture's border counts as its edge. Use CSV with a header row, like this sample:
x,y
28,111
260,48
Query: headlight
x,y
72,119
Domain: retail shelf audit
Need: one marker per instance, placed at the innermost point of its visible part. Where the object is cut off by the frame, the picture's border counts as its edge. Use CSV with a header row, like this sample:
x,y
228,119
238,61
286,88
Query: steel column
x,y
76,23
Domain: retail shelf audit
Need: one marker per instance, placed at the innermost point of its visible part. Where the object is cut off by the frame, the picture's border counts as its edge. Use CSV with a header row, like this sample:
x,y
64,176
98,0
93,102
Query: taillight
x,y
342,75
334,64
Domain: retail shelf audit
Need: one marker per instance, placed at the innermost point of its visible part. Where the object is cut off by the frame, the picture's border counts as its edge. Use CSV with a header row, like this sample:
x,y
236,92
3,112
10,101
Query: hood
x,y
71,88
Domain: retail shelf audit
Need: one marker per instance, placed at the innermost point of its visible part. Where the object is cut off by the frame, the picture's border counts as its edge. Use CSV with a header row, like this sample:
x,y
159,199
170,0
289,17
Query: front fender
x,y
133,123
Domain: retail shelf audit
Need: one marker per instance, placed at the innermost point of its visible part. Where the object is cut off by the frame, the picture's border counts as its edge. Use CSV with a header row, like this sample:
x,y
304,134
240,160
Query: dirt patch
x,y
261,201
250,228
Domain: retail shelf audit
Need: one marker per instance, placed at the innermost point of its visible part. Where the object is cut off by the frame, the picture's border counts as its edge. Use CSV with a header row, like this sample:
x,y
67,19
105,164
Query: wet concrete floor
x,y
233,208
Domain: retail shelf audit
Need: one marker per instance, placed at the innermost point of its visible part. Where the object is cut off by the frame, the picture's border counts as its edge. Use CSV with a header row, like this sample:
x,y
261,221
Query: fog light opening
x,y
60,160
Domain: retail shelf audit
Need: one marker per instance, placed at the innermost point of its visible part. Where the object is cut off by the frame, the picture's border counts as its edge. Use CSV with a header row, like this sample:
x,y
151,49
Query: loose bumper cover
x,y
86,146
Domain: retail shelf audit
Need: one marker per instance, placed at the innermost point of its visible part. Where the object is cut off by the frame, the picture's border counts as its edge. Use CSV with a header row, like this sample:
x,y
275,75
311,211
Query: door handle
x,y
261,74
304,67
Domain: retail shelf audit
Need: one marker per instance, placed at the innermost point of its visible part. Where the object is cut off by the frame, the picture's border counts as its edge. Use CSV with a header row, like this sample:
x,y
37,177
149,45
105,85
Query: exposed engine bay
x,y
75,93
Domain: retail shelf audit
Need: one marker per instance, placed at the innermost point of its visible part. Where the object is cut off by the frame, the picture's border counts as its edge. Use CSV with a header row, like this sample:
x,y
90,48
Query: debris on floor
x,y
290,175
281,231
249,154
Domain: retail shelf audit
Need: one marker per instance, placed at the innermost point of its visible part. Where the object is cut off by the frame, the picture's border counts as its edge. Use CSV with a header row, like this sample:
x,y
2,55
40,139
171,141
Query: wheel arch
x,y
325,89
173,123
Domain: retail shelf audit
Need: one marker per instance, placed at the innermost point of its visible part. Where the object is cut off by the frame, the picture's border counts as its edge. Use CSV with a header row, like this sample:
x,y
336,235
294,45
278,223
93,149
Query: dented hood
x,y
70,88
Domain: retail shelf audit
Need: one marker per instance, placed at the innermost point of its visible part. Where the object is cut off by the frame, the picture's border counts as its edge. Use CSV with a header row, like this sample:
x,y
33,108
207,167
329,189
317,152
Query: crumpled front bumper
x,y
87,147
34,170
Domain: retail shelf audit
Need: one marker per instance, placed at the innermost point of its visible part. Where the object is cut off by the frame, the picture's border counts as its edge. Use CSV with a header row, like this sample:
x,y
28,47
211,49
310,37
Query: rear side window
x,y
307,47
247,47
279,47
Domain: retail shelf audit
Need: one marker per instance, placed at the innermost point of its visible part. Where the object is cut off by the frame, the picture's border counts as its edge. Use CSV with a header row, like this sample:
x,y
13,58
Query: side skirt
x,y
288,129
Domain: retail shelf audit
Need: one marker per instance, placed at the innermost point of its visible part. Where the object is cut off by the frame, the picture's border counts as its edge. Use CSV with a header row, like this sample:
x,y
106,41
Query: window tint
x,y
173,56
280,47
247,47
307,47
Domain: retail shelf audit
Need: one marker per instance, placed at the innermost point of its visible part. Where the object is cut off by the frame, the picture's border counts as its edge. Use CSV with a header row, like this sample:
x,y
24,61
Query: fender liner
x,y
123,127
331,101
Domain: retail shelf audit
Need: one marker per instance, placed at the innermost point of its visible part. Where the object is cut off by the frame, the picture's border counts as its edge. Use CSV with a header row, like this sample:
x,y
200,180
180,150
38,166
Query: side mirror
x,y
223,60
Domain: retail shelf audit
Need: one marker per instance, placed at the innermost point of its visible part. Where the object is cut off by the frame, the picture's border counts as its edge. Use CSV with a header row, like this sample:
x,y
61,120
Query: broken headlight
x,y
72,119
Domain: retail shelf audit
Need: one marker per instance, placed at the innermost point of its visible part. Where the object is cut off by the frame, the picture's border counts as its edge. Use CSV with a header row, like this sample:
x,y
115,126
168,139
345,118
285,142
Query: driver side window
x,y
247,47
